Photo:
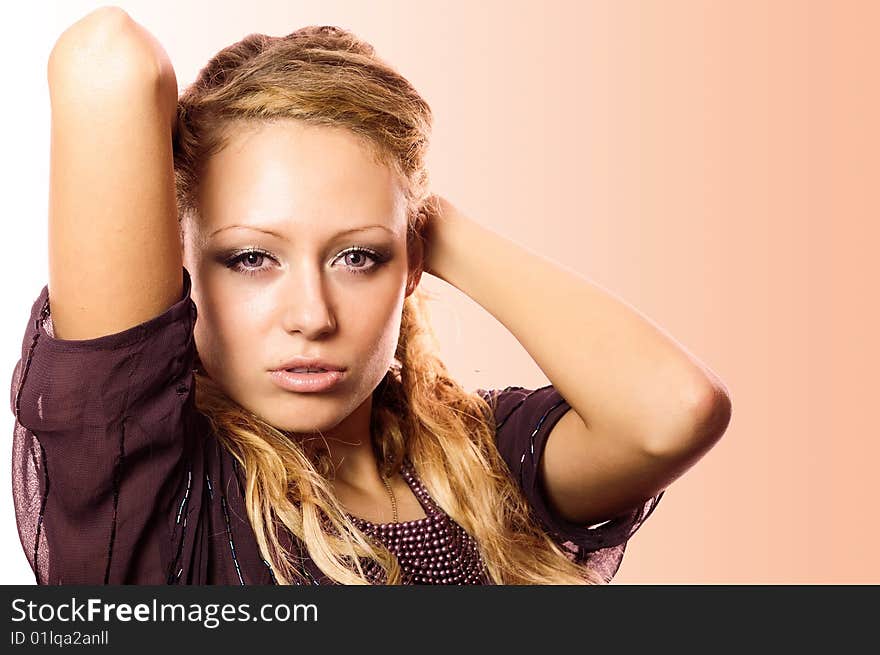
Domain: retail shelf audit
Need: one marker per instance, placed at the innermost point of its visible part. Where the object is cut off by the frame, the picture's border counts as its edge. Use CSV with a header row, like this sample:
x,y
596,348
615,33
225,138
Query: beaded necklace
x,y
431,550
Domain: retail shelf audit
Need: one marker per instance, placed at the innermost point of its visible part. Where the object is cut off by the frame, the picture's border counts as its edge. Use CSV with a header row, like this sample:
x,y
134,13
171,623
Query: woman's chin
x,y
316,424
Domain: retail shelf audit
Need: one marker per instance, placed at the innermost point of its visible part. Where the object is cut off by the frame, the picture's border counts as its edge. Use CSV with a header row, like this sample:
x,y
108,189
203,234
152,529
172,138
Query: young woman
x,y
236,381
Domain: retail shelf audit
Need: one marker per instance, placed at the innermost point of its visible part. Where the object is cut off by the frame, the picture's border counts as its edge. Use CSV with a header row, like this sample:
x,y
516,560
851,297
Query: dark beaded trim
x,y
226,518
525,396
229,534
223,505
271,572
534,433
430,550
183,504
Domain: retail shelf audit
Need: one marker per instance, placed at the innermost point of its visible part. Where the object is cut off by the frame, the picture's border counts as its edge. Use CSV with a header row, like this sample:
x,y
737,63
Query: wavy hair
x,y
325,75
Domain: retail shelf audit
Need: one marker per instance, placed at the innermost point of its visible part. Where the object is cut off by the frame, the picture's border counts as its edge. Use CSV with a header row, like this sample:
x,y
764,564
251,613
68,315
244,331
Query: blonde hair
x,y
325,75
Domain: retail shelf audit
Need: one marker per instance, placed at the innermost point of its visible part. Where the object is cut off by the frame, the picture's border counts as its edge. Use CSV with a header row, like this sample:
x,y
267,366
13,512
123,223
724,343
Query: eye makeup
x,y
238,260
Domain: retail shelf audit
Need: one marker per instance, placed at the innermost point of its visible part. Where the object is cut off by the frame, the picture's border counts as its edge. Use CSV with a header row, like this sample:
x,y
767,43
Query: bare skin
x,y
307,297
644,410
615,447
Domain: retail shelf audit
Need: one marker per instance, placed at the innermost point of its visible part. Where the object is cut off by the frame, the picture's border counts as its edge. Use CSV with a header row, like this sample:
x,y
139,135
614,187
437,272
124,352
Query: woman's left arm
x,y
643,409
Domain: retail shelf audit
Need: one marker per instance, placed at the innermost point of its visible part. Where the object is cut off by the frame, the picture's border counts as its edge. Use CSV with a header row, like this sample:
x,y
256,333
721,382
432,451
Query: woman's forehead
x,y
288,179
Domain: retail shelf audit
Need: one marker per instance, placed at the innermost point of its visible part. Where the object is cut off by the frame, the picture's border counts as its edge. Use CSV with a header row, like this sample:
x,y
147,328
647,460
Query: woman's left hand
x,y
441,215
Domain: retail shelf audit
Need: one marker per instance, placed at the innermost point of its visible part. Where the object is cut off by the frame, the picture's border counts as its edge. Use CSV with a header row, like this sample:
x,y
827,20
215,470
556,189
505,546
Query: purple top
x,y
118,479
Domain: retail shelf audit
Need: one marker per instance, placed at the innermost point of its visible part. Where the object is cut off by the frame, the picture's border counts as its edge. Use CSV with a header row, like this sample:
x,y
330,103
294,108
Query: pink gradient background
x,y
714,164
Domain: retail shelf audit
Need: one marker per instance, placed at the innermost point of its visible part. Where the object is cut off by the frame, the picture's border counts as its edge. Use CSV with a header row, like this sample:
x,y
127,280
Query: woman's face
x,y
305,289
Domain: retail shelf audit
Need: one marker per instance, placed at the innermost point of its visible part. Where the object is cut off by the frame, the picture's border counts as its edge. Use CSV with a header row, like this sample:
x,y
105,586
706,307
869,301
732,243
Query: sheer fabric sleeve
x,y
100,447
524,418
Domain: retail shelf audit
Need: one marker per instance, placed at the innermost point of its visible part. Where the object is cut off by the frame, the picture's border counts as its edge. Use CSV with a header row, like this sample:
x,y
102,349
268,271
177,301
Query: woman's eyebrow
x,y
363,228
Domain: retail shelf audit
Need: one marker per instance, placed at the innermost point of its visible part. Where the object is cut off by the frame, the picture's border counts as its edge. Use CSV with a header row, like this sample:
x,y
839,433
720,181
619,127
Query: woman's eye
x,y
357,256
248,262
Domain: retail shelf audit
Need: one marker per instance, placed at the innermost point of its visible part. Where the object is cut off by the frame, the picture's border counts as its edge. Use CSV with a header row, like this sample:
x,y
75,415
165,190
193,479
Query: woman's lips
x,y
306,382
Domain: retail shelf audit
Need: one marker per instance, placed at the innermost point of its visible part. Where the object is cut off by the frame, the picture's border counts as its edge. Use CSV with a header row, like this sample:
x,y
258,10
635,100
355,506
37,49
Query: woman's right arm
x,y
114,249
107,462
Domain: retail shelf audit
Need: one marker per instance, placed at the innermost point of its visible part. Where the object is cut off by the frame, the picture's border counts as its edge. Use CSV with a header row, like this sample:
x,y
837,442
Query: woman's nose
x,y
307,307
